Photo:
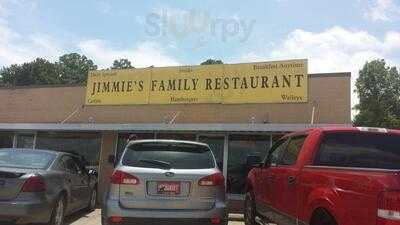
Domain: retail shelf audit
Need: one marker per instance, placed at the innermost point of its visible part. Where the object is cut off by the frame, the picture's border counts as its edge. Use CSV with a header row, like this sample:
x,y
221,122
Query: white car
x,y
166,182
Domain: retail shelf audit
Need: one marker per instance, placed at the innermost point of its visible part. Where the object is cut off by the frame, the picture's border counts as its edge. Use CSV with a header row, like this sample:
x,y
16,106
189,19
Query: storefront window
x,y
241,146
276,137
177,136
25,140
123,139
216,144
87,145
6,140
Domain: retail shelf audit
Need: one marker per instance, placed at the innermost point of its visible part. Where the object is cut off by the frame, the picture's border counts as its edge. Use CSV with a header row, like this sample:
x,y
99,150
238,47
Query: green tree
x,y
122,64
45,72
8,75
37,72
378,88
212,61
74,68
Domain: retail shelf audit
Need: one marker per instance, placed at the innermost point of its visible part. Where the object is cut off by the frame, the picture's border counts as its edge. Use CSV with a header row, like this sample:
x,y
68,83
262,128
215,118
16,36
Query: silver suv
x,y
166,182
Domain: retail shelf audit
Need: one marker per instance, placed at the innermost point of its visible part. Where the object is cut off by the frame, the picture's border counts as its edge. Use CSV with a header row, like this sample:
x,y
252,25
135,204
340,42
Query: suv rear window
x,y
363,150
168,155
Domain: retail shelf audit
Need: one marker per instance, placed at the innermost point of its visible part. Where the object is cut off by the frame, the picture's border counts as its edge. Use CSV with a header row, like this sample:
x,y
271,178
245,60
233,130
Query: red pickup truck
x,y
328,176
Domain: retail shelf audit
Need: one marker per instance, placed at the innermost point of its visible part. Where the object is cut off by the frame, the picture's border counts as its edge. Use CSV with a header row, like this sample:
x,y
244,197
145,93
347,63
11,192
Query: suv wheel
x,y
249,210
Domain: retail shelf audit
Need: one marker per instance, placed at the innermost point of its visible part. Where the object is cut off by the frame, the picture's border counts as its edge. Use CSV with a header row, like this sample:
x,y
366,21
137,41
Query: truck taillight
x,y
34,184
120,177
389,205
216,179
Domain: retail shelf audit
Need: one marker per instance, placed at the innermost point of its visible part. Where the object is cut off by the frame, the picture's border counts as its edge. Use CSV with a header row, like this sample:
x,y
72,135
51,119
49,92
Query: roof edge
x,y
198,127
42,86
338,74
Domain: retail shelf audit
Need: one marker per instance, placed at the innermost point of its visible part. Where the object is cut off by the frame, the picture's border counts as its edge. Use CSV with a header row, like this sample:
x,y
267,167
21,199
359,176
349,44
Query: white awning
x,y
203,127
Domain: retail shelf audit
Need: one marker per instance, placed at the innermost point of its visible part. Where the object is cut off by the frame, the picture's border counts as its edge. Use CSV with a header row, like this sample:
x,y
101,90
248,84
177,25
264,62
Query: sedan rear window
x,y
362,150
25,159
168,156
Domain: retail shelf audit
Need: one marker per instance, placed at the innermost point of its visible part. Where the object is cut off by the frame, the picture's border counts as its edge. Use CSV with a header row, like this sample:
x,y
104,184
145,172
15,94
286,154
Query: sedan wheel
x,y
93,199
57,217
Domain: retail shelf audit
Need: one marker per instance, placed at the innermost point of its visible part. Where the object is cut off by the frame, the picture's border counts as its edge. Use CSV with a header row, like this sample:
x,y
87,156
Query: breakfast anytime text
x,y
267,82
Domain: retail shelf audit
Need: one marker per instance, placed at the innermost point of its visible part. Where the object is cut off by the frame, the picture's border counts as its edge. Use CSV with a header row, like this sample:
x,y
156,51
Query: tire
x,y
58,212
250,209
322,217
92,200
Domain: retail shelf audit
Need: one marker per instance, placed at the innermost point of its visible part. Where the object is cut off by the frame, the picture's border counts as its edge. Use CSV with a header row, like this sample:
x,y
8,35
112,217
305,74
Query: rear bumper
x,y
24,212
113,208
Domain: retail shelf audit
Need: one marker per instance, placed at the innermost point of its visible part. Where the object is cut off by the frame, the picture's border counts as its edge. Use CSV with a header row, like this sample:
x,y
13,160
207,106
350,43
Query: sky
x,y
336,36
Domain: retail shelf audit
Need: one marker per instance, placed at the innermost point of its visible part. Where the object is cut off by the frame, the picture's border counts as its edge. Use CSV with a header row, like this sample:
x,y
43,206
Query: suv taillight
x,y
216,179
389,205
34,184
120,177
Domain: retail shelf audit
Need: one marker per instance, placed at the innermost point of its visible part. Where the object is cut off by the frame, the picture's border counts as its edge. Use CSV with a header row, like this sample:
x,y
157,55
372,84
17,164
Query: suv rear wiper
x,y
157,162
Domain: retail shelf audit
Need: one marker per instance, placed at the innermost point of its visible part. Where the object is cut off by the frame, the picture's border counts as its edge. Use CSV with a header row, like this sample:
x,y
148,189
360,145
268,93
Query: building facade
x,y
57,118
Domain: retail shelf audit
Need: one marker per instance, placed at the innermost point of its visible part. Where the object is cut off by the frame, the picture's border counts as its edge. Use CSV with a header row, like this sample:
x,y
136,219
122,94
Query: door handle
x,y
291,179
271,177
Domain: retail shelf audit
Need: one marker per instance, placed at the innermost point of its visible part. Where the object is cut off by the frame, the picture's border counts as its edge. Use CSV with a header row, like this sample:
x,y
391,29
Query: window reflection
x,y
25,140
216,144
87,145
6,139
276,137
177,136
123,139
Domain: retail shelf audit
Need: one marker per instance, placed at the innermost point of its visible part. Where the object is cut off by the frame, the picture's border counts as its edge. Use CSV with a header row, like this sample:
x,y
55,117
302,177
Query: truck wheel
x,y
249,210
322,217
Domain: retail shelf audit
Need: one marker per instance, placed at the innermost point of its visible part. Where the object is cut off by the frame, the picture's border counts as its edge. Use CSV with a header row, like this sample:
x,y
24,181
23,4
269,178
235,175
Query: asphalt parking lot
x,y
93,218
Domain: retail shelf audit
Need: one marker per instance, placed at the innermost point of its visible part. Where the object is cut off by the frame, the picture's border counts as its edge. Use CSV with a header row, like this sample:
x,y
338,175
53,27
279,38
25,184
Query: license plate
x,y
168,188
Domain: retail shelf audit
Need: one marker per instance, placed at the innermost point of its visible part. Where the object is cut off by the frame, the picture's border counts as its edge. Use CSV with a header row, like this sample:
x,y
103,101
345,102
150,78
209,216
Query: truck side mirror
x,y
253,161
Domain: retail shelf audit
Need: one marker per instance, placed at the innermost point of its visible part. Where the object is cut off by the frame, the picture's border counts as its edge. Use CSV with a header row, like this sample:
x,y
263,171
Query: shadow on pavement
x,y
76,216
68,220
85,214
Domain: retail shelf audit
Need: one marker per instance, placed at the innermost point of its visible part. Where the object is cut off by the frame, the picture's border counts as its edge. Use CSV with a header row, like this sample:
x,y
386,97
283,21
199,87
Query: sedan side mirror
x,y
253,161
93,172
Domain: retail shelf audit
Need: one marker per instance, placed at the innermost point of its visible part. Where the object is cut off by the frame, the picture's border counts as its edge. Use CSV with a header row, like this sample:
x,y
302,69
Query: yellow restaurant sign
x,y
262,82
